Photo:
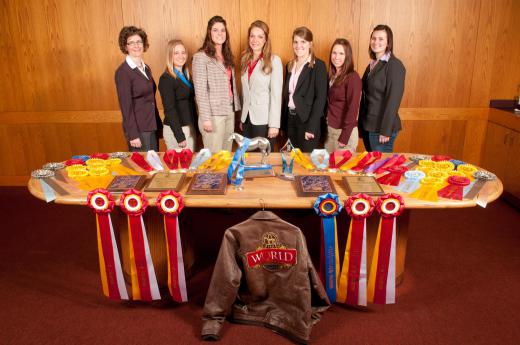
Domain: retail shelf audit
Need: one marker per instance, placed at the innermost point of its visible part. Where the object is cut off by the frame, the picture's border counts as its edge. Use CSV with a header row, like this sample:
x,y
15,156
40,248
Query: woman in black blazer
x,y
383,88
177,95
305,93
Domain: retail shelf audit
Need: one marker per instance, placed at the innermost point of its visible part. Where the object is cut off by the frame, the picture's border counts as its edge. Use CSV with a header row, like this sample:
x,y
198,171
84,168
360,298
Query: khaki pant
x,y
223,127
171,142
331,144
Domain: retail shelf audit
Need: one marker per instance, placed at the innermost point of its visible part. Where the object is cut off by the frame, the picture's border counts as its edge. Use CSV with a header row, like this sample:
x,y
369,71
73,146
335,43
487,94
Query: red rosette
x,y
459,180
73,161
438,158
100,155
100,200
170,203
359,206
133,202
390,205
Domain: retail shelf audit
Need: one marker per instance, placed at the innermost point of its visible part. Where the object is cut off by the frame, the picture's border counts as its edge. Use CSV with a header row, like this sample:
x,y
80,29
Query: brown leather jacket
x,y
264,276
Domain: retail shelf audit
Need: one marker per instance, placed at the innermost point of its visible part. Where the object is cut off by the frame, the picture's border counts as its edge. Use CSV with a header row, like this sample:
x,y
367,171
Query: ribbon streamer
x,y
371,169
381,282
327,206
393,178
394,161
111,272
237,164
455,188
185,157
144,281
200,158
428,189
411,182
368,159
171,158
218,161
139,160
352,287
170,204
301,159
155,161
345,156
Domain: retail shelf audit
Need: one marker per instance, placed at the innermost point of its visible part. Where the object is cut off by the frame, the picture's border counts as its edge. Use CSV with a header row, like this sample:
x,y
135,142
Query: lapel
x,y
376,69
218,64
303,76
256,70
138,72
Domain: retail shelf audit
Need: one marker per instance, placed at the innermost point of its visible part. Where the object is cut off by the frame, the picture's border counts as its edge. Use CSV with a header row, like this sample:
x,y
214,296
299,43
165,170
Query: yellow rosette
x,y
218,161
468,170
428,189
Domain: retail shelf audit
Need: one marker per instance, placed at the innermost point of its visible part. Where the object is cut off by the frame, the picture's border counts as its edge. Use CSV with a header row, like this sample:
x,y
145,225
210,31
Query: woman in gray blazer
x,y
262,82
215,88
383,88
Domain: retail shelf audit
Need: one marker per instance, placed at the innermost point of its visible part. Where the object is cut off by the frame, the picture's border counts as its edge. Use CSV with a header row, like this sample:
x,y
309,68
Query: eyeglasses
x,y
134,43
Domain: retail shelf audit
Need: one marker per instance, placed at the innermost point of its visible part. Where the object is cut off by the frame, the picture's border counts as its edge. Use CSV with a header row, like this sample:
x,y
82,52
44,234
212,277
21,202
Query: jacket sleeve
x,y
352,97
236,95
124,94
200,82
276,85
167,90
320,97
285,99
223,289
393,95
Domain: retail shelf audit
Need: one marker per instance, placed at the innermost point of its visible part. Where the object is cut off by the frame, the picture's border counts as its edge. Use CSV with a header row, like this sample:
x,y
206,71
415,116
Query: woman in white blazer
x,y
262,83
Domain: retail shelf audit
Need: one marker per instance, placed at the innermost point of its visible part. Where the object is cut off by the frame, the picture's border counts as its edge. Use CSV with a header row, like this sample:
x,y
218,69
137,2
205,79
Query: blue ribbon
x,y
84,158
457,162
412,181
48,192
238,164
183,78
327,206
200,158
468,187
315,154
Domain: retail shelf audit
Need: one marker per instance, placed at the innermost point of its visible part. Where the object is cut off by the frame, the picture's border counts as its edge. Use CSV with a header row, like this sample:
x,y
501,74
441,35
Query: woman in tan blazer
x,y
262,83
215,88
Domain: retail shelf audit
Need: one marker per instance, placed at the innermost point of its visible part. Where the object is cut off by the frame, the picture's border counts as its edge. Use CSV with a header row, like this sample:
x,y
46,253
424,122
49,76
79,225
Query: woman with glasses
x,y
136,92
177,96
215,87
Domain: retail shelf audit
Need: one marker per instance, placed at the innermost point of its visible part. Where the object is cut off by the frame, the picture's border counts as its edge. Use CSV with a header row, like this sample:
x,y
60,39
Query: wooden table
x,y
268,193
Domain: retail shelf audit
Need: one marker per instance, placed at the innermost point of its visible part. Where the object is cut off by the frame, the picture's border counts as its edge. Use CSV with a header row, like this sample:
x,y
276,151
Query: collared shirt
x,y
293,81
384,58
132,65
251,66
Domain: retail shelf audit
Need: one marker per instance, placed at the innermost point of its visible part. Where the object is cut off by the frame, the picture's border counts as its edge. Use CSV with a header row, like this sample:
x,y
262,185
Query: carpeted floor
x,y
462,282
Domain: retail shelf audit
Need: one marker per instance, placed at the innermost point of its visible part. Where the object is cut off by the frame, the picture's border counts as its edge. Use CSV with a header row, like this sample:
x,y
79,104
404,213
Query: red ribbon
x,y
100,155
140,161
102,202
392,162
170,204
185,158
393,178
455,188
74,161
171,158
345,154
368,159
438,158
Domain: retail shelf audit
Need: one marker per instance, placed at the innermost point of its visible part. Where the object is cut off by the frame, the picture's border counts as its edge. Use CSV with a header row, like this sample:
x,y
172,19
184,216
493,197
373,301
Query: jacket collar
x,y
134,67
264,215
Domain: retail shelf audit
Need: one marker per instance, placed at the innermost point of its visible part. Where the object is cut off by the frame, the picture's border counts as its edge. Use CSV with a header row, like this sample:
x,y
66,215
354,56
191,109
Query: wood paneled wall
x,y
60,57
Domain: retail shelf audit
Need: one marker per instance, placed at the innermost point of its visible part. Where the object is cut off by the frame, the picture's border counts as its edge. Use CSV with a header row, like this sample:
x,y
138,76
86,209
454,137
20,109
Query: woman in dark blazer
x,y
305,93
136,92
343,99
178,98
383,88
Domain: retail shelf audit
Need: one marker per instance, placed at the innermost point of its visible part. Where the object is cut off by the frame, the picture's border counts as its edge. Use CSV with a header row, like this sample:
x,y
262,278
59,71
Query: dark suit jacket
x,y
383,90
137,101
179,104
310,95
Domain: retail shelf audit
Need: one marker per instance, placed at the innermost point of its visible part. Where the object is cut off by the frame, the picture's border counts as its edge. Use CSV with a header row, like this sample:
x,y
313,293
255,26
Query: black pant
x,y
251,131
296,132
149,142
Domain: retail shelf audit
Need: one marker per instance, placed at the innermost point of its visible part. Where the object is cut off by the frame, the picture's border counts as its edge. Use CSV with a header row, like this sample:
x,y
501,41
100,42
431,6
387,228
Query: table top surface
x,y
267,192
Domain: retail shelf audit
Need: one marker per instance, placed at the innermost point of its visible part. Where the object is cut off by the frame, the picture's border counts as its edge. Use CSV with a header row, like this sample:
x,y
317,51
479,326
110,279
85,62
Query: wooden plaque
x,y
165,181
122,183
314,185
208,184
362,184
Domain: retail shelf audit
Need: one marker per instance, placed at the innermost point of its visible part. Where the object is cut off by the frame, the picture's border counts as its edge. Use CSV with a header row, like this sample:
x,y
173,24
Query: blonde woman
x,y
305,92
215,87
177,95
262,83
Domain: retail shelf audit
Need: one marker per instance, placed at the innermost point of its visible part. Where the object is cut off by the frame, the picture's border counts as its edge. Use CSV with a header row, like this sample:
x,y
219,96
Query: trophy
x,y
287,168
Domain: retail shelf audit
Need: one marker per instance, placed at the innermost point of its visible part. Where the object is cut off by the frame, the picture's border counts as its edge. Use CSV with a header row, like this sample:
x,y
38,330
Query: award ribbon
x,y
218,161
394,161
327,206
381,282
84,158
301,159
170,204
155,161
414,161
352,287
74,161
345,156
237,164
411,182
124,158
428,189
370,158
100,155
112,281
144,282
393,178
185,157
139,160
354,161
171,158
455,188
118,168
457,162
200,158
49,186
374,166
467,169
438,158
444,165
481,177
56,167
320,158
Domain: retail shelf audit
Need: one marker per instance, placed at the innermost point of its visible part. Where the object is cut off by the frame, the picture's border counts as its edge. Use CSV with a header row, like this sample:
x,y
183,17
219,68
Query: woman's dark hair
x,y
304,33
389,39
348,65
129,31
208,46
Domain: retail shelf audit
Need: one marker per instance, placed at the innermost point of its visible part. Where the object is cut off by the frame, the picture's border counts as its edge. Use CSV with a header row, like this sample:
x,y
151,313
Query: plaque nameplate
x,y
362,184
313,185
122,183
208,184
165,181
